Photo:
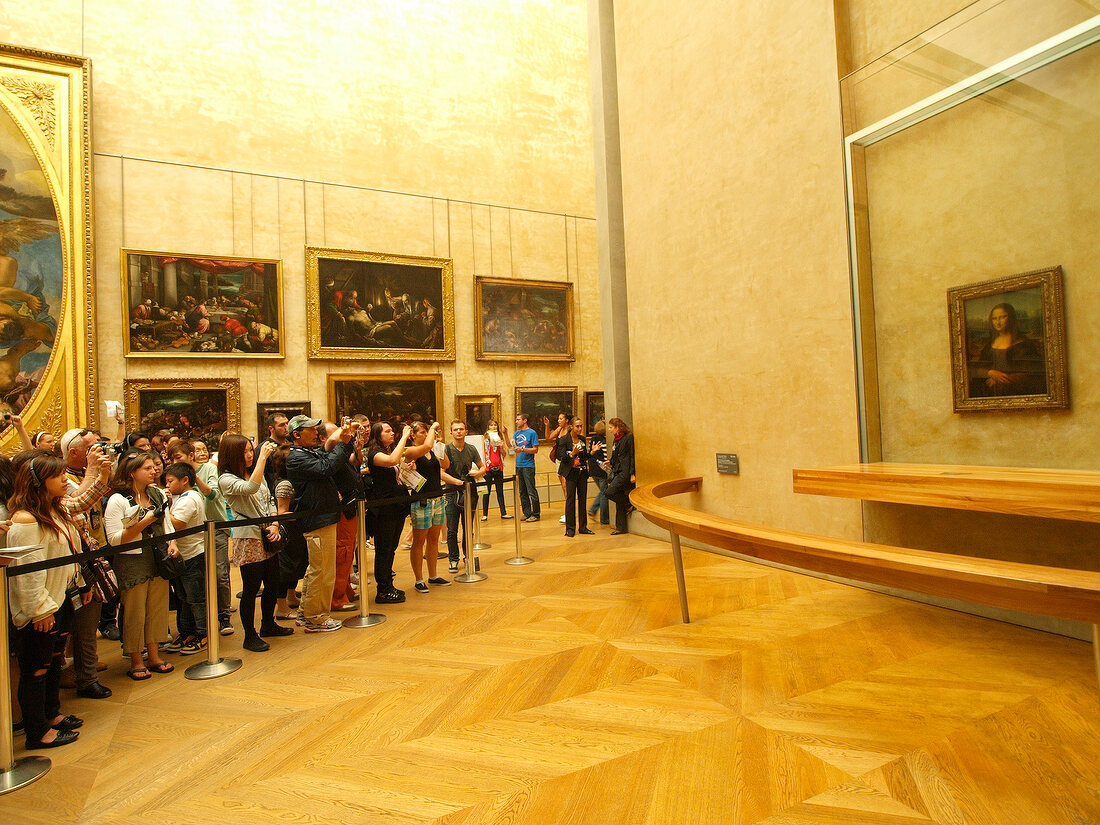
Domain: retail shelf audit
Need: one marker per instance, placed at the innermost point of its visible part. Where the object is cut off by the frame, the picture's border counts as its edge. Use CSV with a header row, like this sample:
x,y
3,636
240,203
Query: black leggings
x,y
293,559
267,573
387,533
39,695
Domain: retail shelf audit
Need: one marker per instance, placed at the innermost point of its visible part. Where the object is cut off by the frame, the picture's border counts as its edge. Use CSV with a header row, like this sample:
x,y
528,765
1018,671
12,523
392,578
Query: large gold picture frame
x,y
195,408
542,405
520,320
373,305
47,318
476,411
1008,343
199,306
392,398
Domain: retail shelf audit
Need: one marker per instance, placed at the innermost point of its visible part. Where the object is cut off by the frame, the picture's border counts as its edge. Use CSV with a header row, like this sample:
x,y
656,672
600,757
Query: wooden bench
x,y
1029,588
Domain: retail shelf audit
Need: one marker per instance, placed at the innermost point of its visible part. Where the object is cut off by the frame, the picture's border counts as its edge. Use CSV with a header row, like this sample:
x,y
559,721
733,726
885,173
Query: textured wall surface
x,y
429,128
740,317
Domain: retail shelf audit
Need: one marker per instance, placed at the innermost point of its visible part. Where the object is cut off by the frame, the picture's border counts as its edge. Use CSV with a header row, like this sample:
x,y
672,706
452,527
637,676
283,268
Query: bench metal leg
x,y
678,563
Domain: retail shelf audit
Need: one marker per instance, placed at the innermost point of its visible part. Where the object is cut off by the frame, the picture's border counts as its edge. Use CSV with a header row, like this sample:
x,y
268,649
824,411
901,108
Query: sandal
x,y
133,674
161,667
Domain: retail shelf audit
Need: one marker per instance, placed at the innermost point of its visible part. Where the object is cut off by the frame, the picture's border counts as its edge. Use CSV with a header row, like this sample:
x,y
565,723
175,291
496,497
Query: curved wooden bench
x,y
1029,588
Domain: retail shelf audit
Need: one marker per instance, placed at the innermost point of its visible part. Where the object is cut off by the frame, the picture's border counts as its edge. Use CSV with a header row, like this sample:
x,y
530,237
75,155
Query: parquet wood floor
x,y
568,691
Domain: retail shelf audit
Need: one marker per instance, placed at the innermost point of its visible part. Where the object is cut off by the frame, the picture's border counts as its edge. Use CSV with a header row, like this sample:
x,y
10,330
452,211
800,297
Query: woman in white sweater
x,y
43,603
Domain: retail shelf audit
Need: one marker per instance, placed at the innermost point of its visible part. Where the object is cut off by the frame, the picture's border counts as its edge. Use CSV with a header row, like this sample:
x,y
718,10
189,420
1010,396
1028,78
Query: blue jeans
x,y
600,502
528,493
191,615
456,516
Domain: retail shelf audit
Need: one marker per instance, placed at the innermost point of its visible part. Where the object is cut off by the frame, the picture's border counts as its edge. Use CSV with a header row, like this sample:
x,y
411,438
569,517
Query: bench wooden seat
x,y
1029,588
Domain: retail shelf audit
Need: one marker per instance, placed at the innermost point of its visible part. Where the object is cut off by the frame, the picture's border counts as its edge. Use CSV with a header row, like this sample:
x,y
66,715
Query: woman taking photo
x,y
384,459
43,603
573,469
427,514
496,447
136,511
242,483
622,478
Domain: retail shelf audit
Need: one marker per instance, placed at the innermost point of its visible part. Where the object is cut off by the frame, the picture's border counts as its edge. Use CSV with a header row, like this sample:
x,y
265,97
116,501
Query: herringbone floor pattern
x,y
568,691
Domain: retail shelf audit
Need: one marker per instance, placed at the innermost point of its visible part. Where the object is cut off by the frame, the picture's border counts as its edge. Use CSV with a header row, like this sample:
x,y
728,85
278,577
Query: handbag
x,y
167,566
273,546
97,574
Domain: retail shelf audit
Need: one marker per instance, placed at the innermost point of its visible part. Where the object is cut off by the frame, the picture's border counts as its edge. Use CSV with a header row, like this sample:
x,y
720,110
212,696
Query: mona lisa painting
x,y
1008,343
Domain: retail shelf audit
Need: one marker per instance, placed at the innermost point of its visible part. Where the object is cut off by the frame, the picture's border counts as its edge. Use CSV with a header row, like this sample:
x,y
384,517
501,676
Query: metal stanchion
x,y
364,619
471,575
519,558
14,773
478,543
214,666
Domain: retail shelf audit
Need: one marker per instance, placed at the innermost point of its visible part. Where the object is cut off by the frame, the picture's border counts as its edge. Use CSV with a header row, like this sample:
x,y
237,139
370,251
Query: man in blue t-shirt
x,y
526,444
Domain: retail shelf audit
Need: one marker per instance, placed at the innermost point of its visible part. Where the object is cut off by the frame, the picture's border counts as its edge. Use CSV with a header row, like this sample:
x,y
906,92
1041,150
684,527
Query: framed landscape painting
x,y
374,305
398,399
477,411
523,320
1008,343
198,306
194,408
542,405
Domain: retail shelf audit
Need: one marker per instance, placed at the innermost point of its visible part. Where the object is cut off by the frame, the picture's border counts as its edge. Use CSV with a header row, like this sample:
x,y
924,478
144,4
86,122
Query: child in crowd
x,y
187,510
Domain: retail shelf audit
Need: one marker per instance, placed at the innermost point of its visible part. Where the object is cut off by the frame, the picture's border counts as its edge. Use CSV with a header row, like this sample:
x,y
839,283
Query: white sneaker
x,y
484,518
327,626
561,520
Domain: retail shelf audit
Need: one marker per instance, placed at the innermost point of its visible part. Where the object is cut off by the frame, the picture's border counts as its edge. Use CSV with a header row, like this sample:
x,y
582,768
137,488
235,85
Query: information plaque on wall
x,y
727,464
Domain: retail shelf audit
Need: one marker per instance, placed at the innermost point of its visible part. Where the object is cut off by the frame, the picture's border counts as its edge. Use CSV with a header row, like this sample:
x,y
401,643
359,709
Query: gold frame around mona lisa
x,y
46,95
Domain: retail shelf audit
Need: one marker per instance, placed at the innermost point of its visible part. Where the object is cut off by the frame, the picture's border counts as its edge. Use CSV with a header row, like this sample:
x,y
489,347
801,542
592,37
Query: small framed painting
x,y
477,411
398,399
287,408
523,320
543,404
1008,343
593,410
194,408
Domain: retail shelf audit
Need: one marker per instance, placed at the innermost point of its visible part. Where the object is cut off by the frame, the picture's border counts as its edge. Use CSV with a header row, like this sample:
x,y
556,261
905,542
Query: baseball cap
x,y
70,437
300,422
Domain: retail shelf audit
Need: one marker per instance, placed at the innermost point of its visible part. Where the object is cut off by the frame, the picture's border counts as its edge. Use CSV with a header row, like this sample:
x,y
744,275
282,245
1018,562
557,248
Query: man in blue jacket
x,y
312,471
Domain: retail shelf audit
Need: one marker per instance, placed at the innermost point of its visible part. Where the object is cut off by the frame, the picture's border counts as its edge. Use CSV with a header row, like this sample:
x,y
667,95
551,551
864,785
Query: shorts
x,y
427,513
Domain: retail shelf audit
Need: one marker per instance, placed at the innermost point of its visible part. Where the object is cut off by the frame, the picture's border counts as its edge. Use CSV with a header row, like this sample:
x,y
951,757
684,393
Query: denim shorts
x,y
427,513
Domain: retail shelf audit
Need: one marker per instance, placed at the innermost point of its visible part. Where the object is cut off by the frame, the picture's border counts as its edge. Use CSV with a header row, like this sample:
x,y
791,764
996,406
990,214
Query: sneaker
x,y
110,631
420,587
453,566
193,645
175,645
484,518
561,520
327,626
506,516
532,518
390,596
226,628
439,581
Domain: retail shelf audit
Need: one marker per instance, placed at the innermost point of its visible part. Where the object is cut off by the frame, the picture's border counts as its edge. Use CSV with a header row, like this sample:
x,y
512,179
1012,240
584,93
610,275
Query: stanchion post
x,y
470,575
14,773
678,563
519,558
478,543
365,618
214,666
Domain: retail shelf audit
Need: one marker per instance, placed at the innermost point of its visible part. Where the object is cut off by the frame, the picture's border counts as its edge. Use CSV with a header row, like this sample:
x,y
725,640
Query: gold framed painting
x,y
477,411
1008,343
542,405
195,408
520,320
398,399
287,408
373,305
593,410
201,306
47,315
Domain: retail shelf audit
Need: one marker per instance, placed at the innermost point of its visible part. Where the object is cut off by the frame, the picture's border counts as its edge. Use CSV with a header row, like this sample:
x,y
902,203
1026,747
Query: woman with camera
x,y
255,547
43,603
573,469
136,511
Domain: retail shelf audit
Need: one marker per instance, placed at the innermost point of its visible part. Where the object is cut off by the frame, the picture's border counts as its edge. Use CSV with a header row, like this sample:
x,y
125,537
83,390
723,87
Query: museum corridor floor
x,y
568,691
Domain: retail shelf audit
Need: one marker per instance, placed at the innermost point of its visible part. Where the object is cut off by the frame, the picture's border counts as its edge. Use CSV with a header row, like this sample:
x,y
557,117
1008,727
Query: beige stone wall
x,y
256,128
740,318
